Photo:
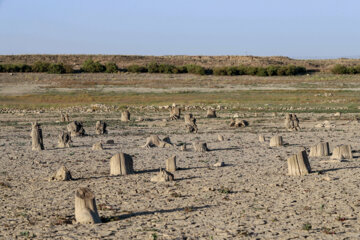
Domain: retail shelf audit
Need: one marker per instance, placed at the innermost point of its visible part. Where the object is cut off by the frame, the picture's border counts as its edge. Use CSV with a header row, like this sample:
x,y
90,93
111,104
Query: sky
x,y
294,28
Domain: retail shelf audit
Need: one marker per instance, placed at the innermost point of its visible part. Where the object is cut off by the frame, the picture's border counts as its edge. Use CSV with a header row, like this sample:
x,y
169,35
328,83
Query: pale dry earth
x,y
250,198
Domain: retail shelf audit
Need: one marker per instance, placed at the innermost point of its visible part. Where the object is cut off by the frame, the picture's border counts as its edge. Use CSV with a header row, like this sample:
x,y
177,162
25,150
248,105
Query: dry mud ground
x,y
250,198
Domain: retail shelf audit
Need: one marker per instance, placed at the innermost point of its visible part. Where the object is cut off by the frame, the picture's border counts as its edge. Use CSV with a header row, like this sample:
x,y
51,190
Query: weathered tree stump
x,y
200,147
125,116
211,113
289,125
190,123
298,164
85,207
100,127
121,164
261,138
276,141
183,147
320,150
64,117
295,121
76,129
64,140
175,113
155,141
163,176
97,146
171,164
238,123
62,174
220,138
36,137
342,152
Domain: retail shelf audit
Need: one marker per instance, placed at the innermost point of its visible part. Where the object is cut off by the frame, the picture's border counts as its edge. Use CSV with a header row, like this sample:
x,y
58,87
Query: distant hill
x,y
205,61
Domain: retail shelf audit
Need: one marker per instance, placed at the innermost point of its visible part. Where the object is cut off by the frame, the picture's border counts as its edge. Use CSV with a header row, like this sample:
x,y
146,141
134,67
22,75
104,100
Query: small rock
x,y
219,164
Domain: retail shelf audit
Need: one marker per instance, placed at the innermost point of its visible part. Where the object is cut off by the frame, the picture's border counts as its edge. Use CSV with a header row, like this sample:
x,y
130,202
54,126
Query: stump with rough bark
x,y
85,207
36,137
64,140
342,152
125,116
155,141
121,164
190,123
62,174
320,150
175,113
200,147
261,138
171,164
298,164
238,123
75,128
100,127
163,176
276,141
288,122
211,113
97,146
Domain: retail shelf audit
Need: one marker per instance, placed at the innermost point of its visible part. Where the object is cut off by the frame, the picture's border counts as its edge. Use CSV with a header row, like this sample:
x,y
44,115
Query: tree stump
x,y
298,164
288,122
320,150
155,141
295,121
220,138
171,164
342,152
211,113
100,127
183,147
62,174
64,117
276,141
36,137
76,129
190,123
200,147
64,140
97,146
163,176
261,138
125,116
121,164
175,113
85,207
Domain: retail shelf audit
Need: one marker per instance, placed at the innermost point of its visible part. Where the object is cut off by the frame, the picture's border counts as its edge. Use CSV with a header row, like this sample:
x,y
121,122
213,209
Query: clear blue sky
x,y
295,28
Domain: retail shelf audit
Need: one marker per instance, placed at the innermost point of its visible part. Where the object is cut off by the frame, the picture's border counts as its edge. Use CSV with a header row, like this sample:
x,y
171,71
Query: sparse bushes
x,y
260,71
341,69
40,67
92,67
111,67
56,68
195,69
136,69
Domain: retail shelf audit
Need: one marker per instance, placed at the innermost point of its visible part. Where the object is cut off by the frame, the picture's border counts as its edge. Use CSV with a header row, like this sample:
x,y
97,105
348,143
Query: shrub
x,y
92,67
271,70
153,67
166,68
339,69
261,72
251,71
220,71
56,68
137,69
40,67
68,68
111,67
195,69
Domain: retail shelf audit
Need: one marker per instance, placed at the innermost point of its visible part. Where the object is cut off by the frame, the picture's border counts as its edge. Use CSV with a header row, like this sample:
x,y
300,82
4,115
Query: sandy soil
x,y
251,197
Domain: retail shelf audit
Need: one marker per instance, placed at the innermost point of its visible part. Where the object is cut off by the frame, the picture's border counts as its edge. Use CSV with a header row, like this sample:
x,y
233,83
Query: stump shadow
x,y
224,149
144,213
333,169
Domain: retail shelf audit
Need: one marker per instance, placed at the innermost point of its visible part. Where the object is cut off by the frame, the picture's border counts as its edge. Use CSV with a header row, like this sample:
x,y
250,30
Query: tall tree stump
x,y
190,123
289,125
175,113
155,141
76,129
163,176
100,127
211,113
200,147
64,140
320,150
171,164
342,152
125,116
36,137
85,207
121,164
62,174
298,164
261,138
276,141
295,121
